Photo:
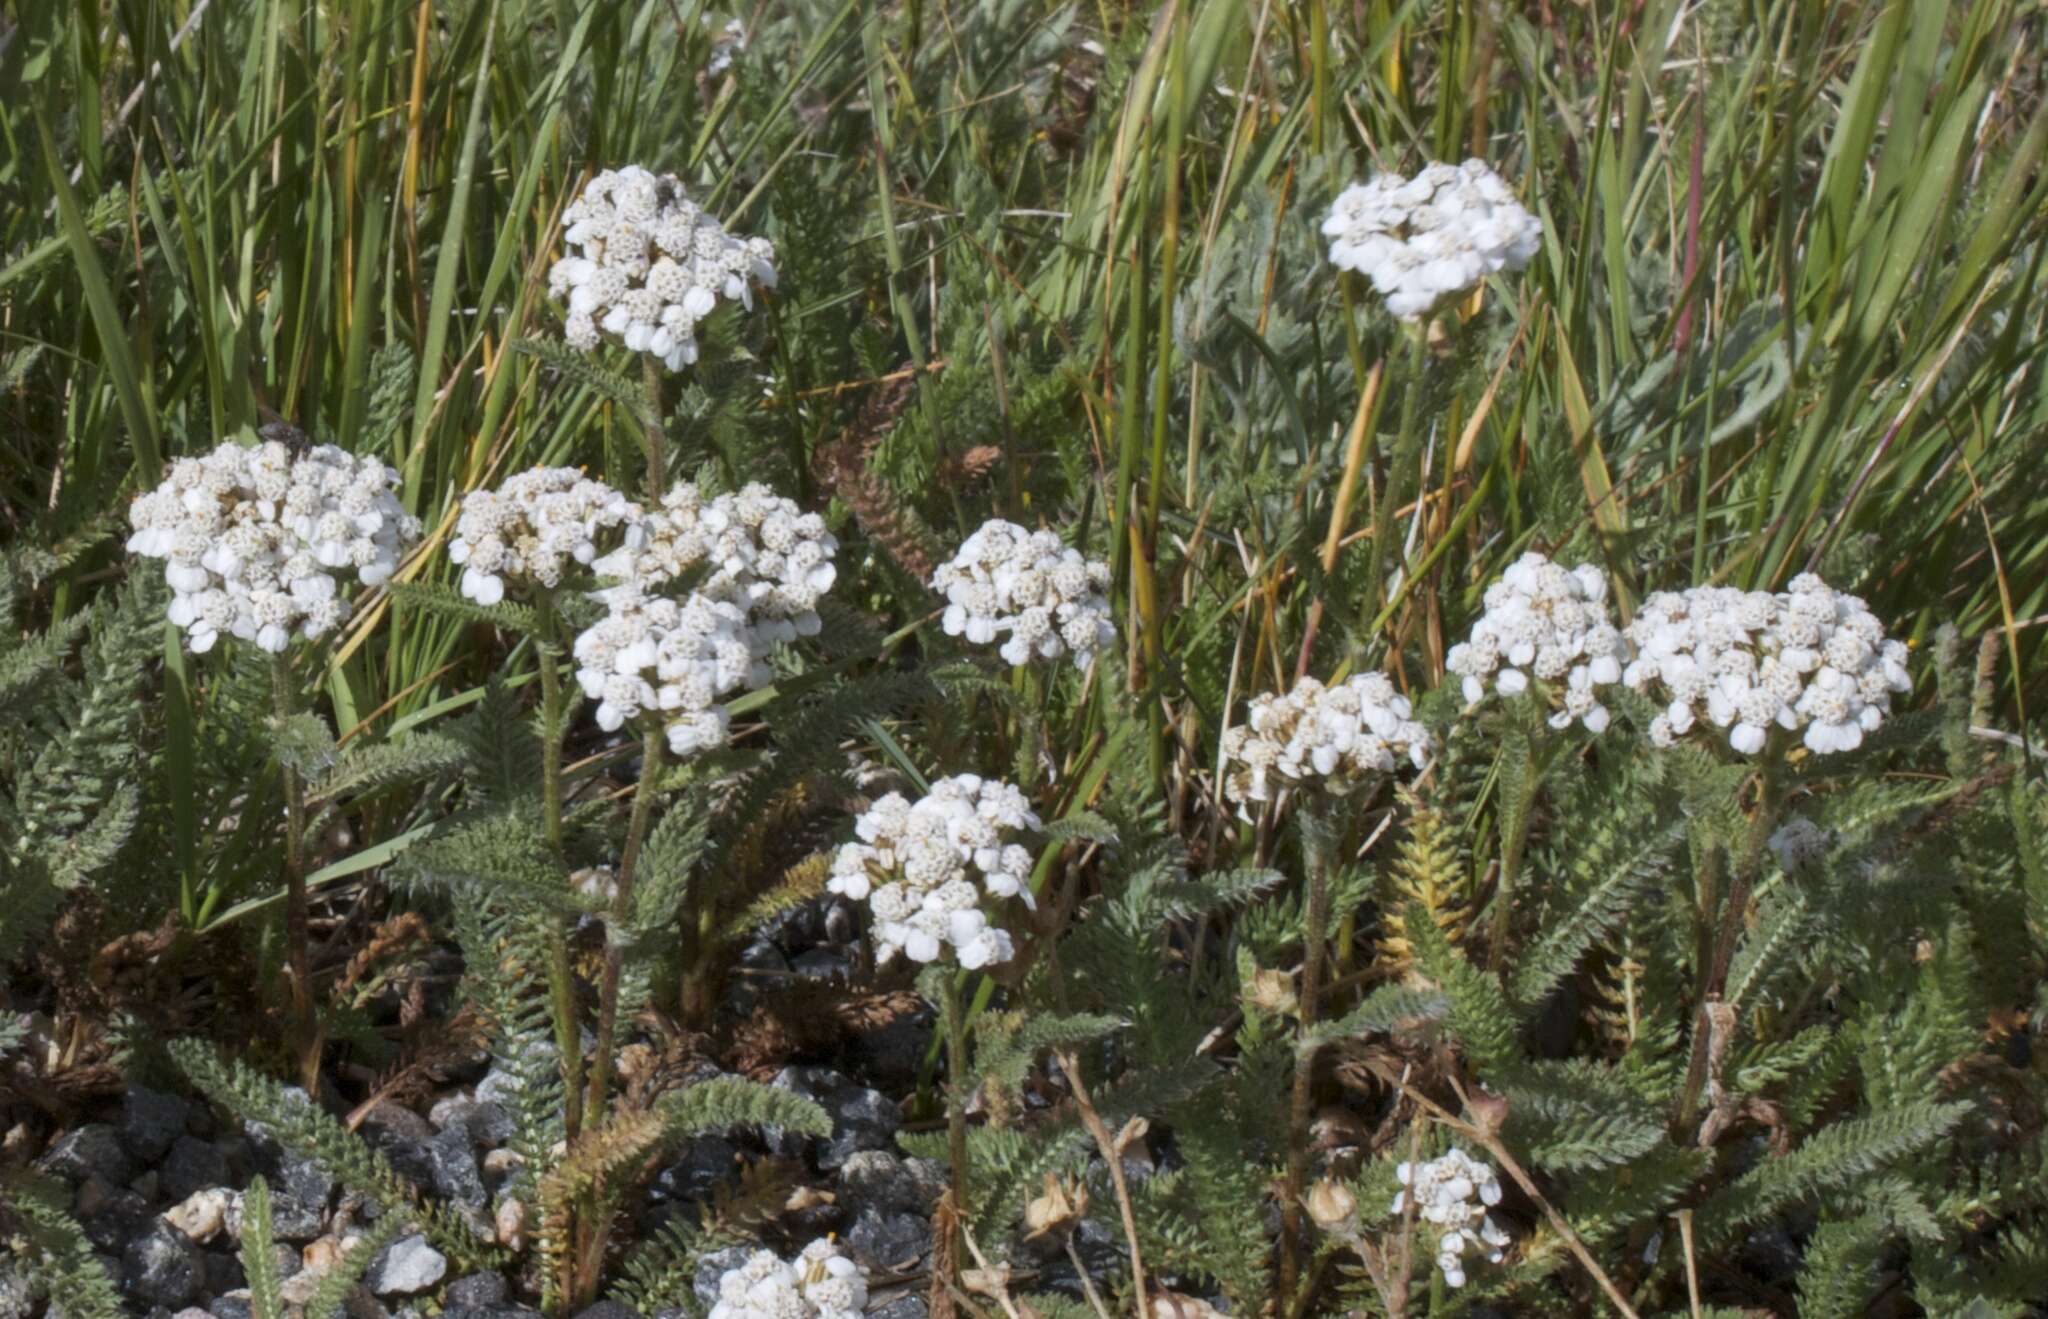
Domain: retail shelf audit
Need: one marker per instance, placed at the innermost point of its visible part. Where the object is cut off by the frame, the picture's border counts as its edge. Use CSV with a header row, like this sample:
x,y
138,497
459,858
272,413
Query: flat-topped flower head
x,y
1810,659
1451,1196
671,660
531,528
820,1283
646,264
916,865
259,542
1332,738
753,549
1043,599
1545,622
1423,238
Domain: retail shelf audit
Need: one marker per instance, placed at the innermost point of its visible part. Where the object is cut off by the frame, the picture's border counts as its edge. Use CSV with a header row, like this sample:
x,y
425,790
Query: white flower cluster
x,y
1422,238
1809,658
760,552
258,541
648,264
1553,623
675,657
820,1283
914,861
764,564
1451,1194
531,527
1337,734
1026,583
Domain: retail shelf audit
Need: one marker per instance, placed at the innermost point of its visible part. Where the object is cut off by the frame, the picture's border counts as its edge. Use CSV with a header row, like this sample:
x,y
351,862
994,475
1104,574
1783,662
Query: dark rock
x,y
490,1312
300,1194
486,1124
91,1150
401,1136
608,1310
406,1267
151,1120
903,1307
474,1291
160,1267
709,1161
714,1266
862,1119
888,1243
233,1307
224,1271
192,1165
118,1218
877,1179
891,1056
455,1175
823,964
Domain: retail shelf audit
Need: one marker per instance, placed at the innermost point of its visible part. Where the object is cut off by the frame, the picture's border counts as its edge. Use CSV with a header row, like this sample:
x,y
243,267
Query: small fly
x,y
296,442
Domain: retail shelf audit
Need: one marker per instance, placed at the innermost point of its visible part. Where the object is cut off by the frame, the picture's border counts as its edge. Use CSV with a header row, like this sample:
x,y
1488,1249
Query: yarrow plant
x,y
531,528
258,542
1044,595
672,658
1420,239
648,264
1809,658
820,1283
916,862
1332,737
759,552
1545,621
1452,1194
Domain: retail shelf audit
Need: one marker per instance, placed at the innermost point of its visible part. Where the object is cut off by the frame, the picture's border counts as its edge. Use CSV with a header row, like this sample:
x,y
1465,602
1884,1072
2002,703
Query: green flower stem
x,y
561,977
1514,840
305,1022
651,744
1407,444
1315,940
1756,840
957,1089
657,457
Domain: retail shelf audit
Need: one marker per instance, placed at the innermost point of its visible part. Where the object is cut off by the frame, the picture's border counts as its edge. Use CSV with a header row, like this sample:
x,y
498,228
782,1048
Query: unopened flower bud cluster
x,y
1452,1194
916,863
647,264
531,528
1330,737
1045,596
1545,622
756,550
820,1283
259,542
1810,659
674,658
1440,232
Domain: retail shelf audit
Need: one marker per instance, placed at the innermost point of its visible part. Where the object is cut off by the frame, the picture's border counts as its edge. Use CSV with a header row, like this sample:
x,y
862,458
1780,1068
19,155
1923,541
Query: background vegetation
x,y
1058,263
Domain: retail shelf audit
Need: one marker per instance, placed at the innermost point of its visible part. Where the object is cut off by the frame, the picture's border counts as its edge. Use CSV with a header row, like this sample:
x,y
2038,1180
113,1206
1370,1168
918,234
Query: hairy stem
x,y
657,456
306,1040
1315,938
1715,969
1514,842
956,1092
651,743
561,979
